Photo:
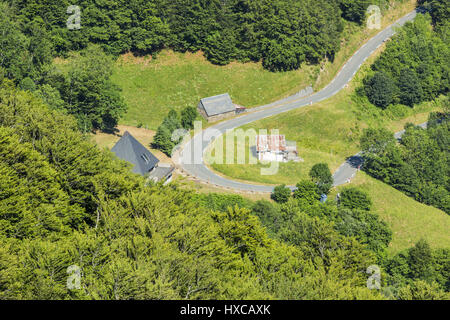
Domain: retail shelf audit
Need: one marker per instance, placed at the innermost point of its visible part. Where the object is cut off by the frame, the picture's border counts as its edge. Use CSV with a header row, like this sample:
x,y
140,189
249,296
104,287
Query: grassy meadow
x,y
151,87
175,80
328,132
408,219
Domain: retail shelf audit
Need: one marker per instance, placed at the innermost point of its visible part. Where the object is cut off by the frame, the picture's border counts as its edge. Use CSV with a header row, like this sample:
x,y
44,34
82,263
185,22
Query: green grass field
x,y
326,132
175,80
409,220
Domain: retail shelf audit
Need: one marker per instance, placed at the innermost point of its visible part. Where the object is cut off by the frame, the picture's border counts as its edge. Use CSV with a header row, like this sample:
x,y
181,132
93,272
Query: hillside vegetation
x,y
409,220
152,86
76,223
63,203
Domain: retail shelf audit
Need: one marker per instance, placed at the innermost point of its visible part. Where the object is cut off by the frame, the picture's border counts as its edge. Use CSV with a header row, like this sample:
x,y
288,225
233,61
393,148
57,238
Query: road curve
x,y
190,156
349,168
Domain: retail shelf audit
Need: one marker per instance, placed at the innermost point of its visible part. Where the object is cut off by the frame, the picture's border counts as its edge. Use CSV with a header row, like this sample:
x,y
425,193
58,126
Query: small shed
x,y
217,107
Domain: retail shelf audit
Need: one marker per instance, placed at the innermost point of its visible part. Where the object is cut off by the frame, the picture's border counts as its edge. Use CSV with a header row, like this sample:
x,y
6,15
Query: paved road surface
x,y
190,156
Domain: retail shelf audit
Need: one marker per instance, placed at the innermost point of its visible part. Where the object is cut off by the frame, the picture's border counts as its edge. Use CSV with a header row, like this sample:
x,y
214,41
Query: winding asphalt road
x,y
190,156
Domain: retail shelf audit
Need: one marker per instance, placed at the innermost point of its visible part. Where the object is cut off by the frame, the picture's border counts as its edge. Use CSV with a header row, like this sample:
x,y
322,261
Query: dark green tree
x,y
410,90
380,89
421,260
281,194
354,198
321,175
375,141
220,48
188,116
367,227
163,140
27,84
15,59
354,10
90,94
307,191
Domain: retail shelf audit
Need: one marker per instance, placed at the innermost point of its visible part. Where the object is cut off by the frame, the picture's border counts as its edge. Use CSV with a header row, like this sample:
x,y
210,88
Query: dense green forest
x,y
64,202
416,273
84,90
283,33
415,66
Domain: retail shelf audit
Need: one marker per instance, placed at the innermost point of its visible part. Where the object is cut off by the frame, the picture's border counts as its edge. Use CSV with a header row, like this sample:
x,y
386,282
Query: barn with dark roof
x,y
217,107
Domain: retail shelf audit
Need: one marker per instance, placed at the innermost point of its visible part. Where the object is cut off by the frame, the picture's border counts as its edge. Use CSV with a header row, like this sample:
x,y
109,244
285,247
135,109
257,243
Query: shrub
x,y
380,90
354,198
281,194
321,175
307,190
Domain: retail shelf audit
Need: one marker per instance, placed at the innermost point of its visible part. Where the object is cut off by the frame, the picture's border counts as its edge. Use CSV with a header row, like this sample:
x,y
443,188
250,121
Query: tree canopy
x,y
413,68
282,33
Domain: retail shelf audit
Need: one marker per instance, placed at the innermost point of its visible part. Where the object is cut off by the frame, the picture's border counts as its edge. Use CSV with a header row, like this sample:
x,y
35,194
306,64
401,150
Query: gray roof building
x,y
217,105
132,151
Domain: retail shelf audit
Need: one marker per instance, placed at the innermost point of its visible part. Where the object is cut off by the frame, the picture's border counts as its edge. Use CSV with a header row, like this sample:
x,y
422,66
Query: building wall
x,y
270,156
216,117
202,111
221,116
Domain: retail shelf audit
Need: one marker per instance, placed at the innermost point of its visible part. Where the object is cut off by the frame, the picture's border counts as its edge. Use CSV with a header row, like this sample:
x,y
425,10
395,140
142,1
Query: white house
x,y
275,148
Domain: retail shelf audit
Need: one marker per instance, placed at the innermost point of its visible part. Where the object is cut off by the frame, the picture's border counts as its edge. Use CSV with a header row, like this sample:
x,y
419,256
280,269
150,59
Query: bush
x,y
321,175
409,87
354,198
308,191
354,10
380,90
281,194
268,213
375,141
163,140
188,116
27,84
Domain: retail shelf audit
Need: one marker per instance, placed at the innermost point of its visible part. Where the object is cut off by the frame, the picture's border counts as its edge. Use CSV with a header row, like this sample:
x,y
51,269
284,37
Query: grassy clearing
x,y
175,80
409,220
325,132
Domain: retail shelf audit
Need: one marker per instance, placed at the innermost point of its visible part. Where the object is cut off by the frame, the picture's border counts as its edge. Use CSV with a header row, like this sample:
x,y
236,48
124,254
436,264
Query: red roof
x,y
270,143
